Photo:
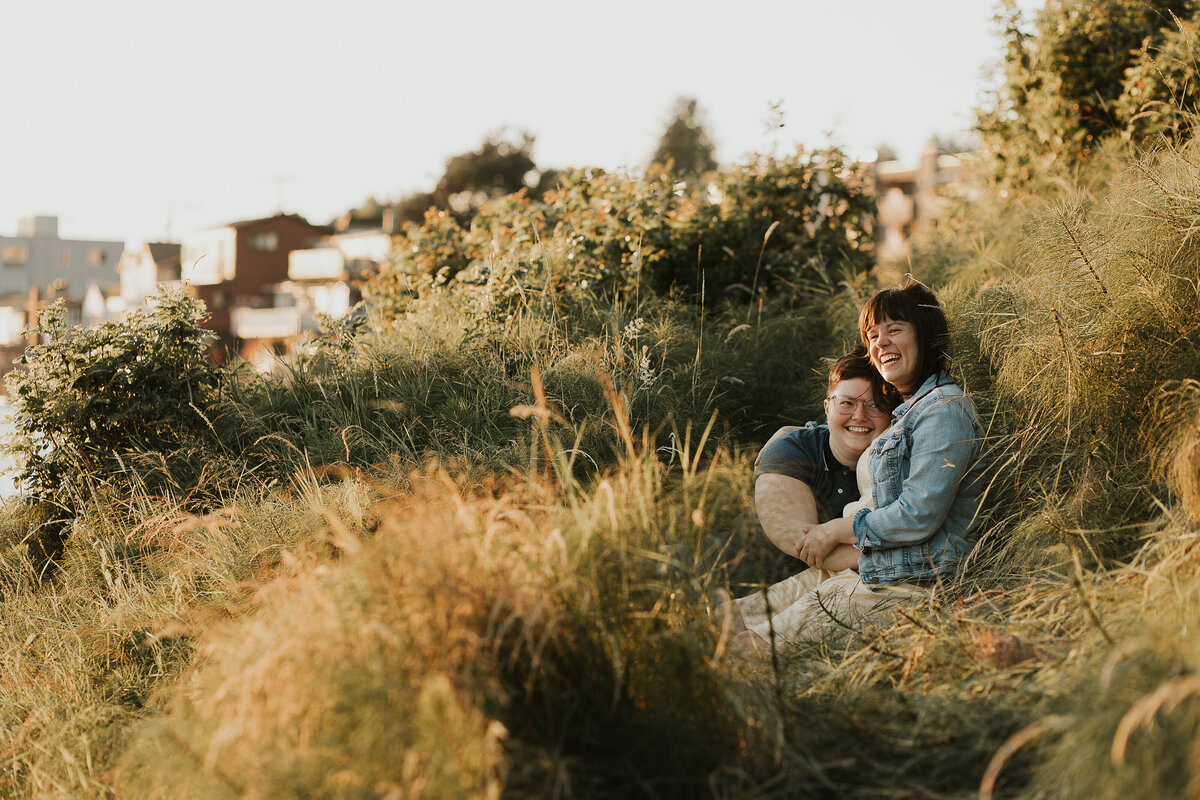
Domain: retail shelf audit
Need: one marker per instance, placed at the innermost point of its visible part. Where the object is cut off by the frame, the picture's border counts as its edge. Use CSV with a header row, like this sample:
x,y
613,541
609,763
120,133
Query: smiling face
x,y
851,433
894,350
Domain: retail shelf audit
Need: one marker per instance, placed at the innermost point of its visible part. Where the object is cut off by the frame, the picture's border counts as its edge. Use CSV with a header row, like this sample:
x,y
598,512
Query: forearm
x,y
844,556
786,509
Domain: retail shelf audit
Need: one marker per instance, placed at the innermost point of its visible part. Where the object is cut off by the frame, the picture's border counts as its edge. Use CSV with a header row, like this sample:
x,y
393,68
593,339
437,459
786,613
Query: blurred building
x,y
146,266
37,258
38,266
908,197
238,266
323,279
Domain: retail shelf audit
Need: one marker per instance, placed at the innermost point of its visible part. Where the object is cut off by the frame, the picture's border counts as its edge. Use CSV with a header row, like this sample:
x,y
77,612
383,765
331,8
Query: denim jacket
x,y
927,487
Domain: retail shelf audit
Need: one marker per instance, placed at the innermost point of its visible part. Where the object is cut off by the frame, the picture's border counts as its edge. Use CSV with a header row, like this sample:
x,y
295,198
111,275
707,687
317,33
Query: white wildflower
x,y
645,372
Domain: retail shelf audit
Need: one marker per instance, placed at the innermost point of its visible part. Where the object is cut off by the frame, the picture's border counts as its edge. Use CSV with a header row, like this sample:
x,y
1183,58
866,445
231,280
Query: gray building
x,y
38,258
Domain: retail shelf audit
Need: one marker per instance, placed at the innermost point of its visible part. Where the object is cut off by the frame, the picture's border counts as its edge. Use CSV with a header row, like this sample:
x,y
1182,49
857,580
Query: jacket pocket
x,y
886,472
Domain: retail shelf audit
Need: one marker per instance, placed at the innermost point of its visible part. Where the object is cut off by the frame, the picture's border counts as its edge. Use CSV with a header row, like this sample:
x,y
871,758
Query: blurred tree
x,y
885,152
412,208
1162,87
369,214
1061,82
685,142
954,143
497,168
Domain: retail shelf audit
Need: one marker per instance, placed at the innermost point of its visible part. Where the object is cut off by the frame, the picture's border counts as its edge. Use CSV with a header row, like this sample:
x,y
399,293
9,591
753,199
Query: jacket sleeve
x,y
943,446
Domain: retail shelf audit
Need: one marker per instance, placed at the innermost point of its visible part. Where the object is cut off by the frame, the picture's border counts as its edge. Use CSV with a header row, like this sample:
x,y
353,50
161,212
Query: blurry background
x,y
147,120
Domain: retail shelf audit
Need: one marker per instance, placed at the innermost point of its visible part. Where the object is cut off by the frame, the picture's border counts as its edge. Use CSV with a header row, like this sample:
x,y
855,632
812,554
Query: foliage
x,y
815,212
467,552
500,165
1160,96
435,383
1077,339
497,168
776,230
685,144
497,683
1074,329
86,399
1061,84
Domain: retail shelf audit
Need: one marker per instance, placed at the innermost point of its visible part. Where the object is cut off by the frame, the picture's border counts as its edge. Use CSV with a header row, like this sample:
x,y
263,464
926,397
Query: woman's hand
x,y
820,540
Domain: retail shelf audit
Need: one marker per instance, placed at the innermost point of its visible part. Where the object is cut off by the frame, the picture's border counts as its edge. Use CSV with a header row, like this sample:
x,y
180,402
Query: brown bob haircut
x,y
856,364
914,303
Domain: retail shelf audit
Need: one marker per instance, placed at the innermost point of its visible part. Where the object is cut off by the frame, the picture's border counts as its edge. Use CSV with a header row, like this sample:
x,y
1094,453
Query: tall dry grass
x,y
467,636
529,618
1083,350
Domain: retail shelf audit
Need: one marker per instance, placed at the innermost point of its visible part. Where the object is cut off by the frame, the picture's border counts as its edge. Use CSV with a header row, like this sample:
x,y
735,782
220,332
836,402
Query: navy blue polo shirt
x,y
804,454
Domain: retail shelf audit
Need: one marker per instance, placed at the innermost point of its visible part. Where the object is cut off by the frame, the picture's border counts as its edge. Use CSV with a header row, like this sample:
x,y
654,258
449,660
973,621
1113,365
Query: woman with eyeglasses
x,y
806,475
926,487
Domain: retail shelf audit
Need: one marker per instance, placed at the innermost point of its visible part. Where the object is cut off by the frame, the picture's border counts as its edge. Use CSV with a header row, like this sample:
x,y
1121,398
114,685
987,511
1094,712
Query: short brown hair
x,y
856,364
912,302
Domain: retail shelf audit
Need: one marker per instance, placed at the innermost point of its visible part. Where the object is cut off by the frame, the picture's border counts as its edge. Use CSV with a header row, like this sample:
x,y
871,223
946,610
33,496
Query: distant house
x,y
144,267
321,280
13,318
324,279
907,196
38,258
237,266
37,265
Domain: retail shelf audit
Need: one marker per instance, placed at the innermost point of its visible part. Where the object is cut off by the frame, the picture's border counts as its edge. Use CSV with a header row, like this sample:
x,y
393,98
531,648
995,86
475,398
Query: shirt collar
x,y
831,462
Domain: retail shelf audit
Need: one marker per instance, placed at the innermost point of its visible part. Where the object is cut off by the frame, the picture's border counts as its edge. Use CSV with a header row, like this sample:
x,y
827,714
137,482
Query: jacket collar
x,y
939,378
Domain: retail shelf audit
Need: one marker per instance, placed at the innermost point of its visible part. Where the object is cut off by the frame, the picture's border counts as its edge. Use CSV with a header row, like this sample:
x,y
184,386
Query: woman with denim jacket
x,y
926,480
926,468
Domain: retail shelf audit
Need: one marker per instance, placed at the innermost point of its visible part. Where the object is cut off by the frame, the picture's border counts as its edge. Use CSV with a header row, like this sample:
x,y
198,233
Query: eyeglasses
x,y
846,405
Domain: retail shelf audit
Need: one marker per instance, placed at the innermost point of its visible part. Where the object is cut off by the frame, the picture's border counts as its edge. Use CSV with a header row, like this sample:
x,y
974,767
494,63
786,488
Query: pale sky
x,y
128,116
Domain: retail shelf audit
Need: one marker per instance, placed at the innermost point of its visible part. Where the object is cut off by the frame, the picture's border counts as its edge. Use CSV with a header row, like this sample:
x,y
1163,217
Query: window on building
x,y
263,242
15,254
97,256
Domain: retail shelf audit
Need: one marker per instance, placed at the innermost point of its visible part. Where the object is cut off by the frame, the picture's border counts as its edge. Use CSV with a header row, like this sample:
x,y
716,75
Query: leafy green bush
x,y
1064,89
774,230
87,400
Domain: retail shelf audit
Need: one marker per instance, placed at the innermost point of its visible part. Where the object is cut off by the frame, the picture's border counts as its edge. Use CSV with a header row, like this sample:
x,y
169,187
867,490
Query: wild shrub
x,y
90,404
776,229
1078,73
83,657
439,381
1173,429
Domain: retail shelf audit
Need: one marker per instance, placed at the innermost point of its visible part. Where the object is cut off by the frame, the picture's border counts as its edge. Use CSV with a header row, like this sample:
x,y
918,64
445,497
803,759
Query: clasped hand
x,y
818,541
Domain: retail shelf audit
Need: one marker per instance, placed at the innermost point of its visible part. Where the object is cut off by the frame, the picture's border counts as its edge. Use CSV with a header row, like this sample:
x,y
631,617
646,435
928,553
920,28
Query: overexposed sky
x,y
138,118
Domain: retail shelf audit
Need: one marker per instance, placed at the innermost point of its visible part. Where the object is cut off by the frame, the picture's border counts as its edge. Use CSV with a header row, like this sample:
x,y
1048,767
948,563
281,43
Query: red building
x,y
238,265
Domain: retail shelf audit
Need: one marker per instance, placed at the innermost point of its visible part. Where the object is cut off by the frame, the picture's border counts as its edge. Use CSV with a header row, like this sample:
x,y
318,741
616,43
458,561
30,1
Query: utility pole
x,y
280,180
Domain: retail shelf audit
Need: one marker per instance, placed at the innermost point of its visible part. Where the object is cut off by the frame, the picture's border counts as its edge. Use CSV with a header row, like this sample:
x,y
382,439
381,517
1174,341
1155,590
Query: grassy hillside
x,y
466,553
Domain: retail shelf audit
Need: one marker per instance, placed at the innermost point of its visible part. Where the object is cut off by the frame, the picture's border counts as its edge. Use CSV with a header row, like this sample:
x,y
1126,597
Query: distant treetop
x,y
685,143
